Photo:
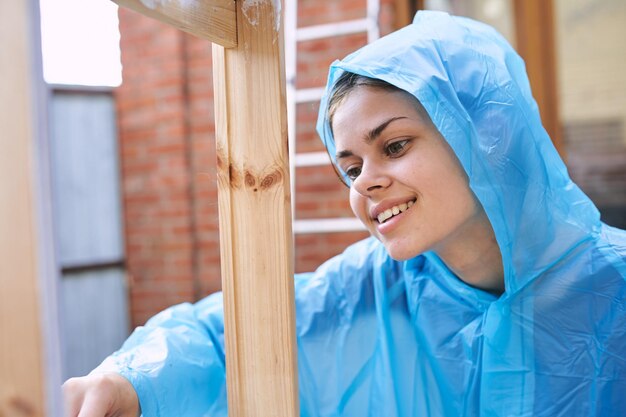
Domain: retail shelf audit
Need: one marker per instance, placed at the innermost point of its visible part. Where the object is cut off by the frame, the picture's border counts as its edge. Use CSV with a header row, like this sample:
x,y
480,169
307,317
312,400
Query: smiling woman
x,y
406,184
490,286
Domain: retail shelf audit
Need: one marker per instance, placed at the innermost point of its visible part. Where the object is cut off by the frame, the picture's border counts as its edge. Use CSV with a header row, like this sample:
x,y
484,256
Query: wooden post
x,y
403,13
534,27
255,216
254,197
29,356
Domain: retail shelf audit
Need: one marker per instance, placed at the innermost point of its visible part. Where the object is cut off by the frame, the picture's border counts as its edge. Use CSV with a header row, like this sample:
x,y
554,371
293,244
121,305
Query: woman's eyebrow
x,y
371,136
343,154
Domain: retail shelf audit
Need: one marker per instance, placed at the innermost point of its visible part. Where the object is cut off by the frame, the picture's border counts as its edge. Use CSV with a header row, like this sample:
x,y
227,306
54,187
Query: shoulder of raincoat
x,y
378,337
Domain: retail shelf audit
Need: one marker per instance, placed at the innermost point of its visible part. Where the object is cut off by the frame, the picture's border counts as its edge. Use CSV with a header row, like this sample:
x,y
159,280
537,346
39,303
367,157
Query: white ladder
x,y
293,35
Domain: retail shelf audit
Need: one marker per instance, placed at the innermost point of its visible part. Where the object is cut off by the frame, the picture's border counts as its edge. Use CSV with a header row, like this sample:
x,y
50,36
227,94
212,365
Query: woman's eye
x,y
353,172
395,148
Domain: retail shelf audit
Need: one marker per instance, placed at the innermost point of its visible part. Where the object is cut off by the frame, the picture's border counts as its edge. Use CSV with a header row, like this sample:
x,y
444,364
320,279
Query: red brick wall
x,y
166,128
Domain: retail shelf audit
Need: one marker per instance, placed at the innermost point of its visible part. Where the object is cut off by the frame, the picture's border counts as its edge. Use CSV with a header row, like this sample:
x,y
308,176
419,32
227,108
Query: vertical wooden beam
x,y
403,13
25,244
255,216
21,368
534,28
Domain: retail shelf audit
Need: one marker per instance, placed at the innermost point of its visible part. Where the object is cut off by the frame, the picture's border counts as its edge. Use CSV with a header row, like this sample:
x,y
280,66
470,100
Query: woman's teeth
x,y
387,214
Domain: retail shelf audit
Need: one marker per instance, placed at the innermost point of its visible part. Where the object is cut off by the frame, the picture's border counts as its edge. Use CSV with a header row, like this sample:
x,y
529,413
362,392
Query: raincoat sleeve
x,y
176,361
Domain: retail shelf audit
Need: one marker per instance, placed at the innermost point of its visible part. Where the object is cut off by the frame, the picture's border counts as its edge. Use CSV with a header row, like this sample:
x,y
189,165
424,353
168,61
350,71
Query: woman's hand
x,y
100,395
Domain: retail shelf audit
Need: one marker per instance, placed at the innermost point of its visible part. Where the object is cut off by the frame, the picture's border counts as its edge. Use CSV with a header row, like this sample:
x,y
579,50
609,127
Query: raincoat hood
x,y
475,89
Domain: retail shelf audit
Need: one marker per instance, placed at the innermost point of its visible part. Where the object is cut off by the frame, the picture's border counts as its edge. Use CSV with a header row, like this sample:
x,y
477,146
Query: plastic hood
x,y
474,87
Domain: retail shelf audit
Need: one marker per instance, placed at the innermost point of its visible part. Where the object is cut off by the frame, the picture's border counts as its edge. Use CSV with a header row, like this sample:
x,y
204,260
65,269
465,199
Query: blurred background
x,y
132,152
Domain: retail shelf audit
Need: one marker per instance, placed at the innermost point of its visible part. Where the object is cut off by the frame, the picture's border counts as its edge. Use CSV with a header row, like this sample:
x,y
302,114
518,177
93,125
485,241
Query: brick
x,y
307,138
315,56
315,12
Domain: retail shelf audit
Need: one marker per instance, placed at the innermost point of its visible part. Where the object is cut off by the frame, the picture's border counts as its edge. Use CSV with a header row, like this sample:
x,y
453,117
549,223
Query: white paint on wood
x,y
251,12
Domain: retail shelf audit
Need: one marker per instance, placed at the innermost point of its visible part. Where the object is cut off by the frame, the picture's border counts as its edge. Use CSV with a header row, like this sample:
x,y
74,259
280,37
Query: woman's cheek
x,y
357,204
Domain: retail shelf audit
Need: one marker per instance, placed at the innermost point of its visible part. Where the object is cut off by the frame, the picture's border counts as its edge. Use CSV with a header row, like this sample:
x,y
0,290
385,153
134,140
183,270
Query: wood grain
x,y
21,369
255,217
214,20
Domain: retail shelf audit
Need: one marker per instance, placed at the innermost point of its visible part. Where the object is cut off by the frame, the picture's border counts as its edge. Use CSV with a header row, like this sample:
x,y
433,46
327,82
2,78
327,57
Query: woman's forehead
x,y
364,102
366,109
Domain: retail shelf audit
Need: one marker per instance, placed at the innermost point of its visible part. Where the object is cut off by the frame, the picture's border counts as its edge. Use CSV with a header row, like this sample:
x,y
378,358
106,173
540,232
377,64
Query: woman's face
x,y
408,187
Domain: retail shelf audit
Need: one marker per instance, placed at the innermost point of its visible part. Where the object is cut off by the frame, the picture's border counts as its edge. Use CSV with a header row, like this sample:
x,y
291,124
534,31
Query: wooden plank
x,y
403,13
214,20
534,27
255,217
25,255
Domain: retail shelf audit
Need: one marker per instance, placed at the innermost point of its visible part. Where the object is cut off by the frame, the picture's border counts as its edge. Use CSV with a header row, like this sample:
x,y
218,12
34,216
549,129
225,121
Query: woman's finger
x,y
96,405
73,392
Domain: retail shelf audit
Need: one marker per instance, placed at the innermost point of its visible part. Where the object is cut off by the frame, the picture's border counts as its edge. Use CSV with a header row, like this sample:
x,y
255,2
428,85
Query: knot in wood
x,y
250,179
17,406
234,176
271,179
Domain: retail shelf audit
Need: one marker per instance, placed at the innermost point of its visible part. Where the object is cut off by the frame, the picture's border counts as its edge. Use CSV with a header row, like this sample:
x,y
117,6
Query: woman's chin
x,y
400,253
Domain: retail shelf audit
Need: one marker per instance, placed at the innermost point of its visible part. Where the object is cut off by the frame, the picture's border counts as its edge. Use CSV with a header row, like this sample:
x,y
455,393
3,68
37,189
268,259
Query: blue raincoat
x,y
377,337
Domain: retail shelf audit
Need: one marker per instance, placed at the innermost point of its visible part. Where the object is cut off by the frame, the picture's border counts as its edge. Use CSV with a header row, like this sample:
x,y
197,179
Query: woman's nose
x,y
370,180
